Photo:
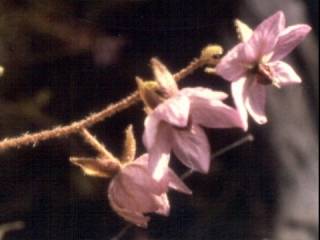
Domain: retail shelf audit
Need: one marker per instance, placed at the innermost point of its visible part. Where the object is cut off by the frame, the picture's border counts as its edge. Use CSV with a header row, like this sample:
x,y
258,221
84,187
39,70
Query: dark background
x,y
55,74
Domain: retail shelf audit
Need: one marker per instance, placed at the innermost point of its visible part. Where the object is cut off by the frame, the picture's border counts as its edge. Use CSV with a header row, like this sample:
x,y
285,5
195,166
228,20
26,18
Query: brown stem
x,y
110,110
99,147
57,132
194,65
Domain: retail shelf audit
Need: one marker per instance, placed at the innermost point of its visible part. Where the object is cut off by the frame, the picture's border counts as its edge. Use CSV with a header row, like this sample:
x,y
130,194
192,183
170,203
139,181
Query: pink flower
x,y
133,192
175,123
254,64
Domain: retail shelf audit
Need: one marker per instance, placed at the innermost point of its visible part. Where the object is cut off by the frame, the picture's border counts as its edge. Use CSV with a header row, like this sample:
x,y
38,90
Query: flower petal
x,y
192,148
239,94
264,37
138,174
164,205
134,217
215,114
128,195
256,101
283,73
159,153
159,162
203,93
289,39
174,110
150,130
176,183
164,77
231,67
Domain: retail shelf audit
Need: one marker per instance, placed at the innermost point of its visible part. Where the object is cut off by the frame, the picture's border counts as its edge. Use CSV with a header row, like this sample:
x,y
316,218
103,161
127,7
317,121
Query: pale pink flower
x,y
176,123
133,192
254,63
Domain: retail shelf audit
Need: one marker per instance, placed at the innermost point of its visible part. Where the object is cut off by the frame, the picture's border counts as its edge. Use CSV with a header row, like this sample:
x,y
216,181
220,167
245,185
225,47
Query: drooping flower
x,y
133,192
255,63
176,117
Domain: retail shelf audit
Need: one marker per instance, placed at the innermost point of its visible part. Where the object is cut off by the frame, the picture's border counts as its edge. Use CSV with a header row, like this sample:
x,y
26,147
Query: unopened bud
x,y
212,53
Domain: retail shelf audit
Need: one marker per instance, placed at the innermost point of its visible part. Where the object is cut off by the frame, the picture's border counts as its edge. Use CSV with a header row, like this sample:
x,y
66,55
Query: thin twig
x,y
247,138
187,174
194,65
110,110
57,132
238,143
99,147
122,232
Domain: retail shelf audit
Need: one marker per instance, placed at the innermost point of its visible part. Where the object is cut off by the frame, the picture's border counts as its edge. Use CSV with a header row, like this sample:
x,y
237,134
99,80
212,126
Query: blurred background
x,y
64,59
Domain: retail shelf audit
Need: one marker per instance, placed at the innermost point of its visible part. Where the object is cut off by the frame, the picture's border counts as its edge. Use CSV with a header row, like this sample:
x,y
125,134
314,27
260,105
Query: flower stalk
x,y
89,121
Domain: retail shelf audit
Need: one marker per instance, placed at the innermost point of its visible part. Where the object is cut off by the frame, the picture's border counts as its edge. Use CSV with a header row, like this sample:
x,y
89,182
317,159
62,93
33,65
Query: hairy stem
x,y
28,139
110,110
99,147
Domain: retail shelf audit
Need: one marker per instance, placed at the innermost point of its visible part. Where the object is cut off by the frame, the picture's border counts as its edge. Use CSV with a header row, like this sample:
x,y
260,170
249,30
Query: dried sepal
x,y
96,167
164,78
129,151
150,93
243,30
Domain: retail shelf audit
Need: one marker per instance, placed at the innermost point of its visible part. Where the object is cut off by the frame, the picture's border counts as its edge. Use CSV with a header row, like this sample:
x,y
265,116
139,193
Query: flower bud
x,y
212,53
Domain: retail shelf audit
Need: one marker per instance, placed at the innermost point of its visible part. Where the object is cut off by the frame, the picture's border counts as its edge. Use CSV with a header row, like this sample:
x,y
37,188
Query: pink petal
x,y
133,192
131,196
159,153
256,102
239,94
136,174
289,39
264,37
176,183
231,67
164,205
134,217
203,93
159,162
192,148
283,73
150,130
174,110
215,114
164,77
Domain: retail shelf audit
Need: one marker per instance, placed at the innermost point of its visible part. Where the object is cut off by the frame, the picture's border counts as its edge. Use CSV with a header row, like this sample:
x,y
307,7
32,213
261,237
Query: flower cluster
x,y
176,118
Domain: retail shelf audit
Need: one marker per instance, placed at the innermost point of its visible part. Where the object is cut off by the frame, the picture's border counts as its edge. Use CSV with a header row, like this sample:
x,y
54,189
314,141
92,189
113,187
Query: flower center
x,y
264,74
